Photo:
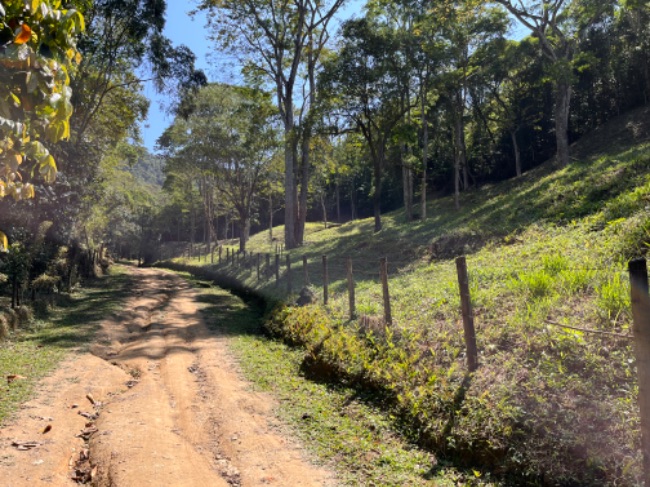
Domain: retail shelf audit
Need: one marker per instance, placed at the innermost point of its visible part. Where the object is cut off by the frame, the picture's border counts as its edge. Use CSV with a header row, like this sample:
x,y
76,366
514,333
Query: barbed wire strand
x,y
586,330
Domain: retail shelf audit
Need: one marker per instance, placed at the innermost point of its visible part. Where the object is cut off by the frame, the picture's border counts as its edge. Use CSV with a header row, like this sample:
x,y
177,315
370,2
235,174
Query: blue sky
x,y
180,28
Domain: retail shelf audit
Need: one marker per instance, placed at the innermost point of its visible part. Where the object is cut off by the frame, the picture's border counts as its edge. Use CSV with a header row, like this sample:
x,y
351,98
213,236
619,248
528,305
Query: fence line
x,y
640,306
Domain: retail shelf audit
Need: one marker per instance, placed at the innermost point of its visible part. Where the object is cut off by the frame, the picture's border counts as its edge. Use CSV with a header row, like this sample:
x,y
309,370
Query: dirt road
x,y
170,408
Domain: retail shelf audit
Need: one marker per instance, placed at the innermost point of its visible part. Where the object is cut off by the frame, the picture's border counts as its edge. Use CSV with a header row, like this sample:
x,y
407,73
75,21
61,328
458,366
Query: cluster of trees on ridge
x,y
406,99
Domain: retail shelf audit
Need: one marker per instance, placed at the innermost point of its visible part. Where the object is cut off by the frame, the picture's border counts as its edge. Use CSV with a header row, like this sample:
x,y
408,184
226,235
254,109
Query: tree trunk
x,y
562,104
515,145
406,188
304,186
376,199
322,204
289,178
338,201
425,155
244,230
458,162
270,218
14,292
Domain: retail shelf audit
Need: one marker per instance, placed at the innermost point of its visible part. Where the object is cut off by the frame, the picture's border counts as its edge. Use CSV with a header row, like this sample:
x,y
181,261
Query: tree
x,y
275,39
231,137
558,25
362,85
37,51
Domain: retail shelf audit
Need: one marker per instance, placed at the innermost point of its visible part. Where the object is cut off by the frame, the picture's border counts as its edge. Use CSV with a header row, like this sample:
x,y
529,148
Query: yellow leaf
x,y
4,242
24,35
15,99
48,169
78,58
28,191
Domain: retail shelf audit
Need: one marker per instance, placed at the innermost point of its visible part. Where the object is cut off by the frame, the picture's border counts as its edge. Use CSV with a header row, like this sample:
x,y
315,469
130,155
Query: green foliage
x,y
613,297
39,49
540,388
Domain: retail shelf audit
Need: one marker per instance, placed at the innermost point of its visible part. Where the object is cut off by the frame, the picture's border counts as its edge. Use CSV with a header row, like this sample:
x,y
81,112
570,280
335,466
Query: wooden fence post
x,y
228,255
383,269
641,331
305,274
277,269
212,255
220,249
259,258
268,262
468,314
351,289
325,280
289,274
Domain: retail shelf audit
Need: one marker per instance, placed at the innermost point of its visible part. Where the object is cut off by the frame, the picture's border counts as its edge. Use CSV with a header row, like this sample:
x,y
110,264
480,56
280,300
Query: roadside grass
x,y
34,351
340,425
548,403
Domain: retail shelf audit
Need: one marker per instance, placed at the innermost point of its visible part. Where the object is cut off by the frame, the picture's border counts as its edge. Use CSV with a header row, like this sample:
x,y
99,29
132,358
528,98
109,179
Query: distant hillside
x,y
149,170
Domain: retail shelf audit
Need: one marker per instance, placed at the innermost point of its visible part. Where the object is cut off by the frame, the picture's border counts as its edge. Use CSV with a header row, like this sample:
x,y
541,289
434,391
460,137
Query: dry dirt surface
x,y
158,402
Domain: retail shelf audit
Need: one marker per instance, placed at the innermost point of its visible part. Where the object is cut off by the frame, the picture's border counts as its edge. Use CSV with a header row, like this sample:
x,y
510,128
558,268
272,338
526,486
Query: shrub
x,y
4,327
10,317
25,314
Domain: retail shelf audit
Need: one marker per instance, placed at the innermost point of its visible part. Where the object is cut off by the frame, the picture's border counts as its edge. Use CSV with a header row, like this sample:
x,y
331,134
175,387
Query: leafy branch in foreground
x,y
37,50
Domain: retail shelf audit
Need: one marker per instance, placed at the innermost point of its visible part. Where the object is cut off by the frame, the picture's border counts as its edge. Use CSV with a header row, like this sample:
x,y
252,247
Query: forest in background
x,y
405,101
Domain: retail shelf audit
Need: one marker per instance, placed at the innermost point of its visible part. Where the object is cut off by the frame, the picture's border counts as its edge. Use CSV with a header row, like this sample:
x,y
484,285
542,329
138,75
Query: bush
x,y
4,327
25,314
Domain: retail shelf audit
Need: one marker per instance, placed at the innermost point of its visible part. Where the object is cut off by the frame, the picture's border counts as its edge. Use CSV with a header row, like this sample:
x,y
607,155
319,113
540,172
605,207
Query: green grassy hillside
x,y
548,405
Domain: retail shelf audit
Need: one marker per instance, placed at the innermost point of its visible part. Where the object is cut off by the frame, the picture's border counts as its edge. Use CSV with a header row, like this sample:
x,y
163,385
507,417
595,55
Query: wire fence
x,y
284,270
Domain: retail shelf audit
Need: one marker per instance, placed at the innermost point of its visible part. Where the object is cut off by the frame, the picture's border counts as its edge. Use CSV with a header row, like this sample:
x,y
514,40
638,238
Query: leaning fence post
x,y
288,273
641,332
305,275
277,269
351,288
325,280
468,314
383,269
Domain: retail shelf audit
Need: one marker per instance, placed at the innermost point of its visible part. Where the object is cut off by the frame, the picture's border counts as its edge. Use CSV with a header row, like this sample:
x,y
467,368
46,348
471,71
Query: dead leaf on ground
x,y
90,416
25,445
87,433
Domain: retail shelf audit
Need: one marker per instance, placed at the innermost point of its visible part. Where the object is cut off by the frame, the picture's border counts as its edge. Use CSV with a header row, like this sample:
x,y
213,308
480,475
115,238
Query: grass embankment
x,y
548,404
34,351
338,424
